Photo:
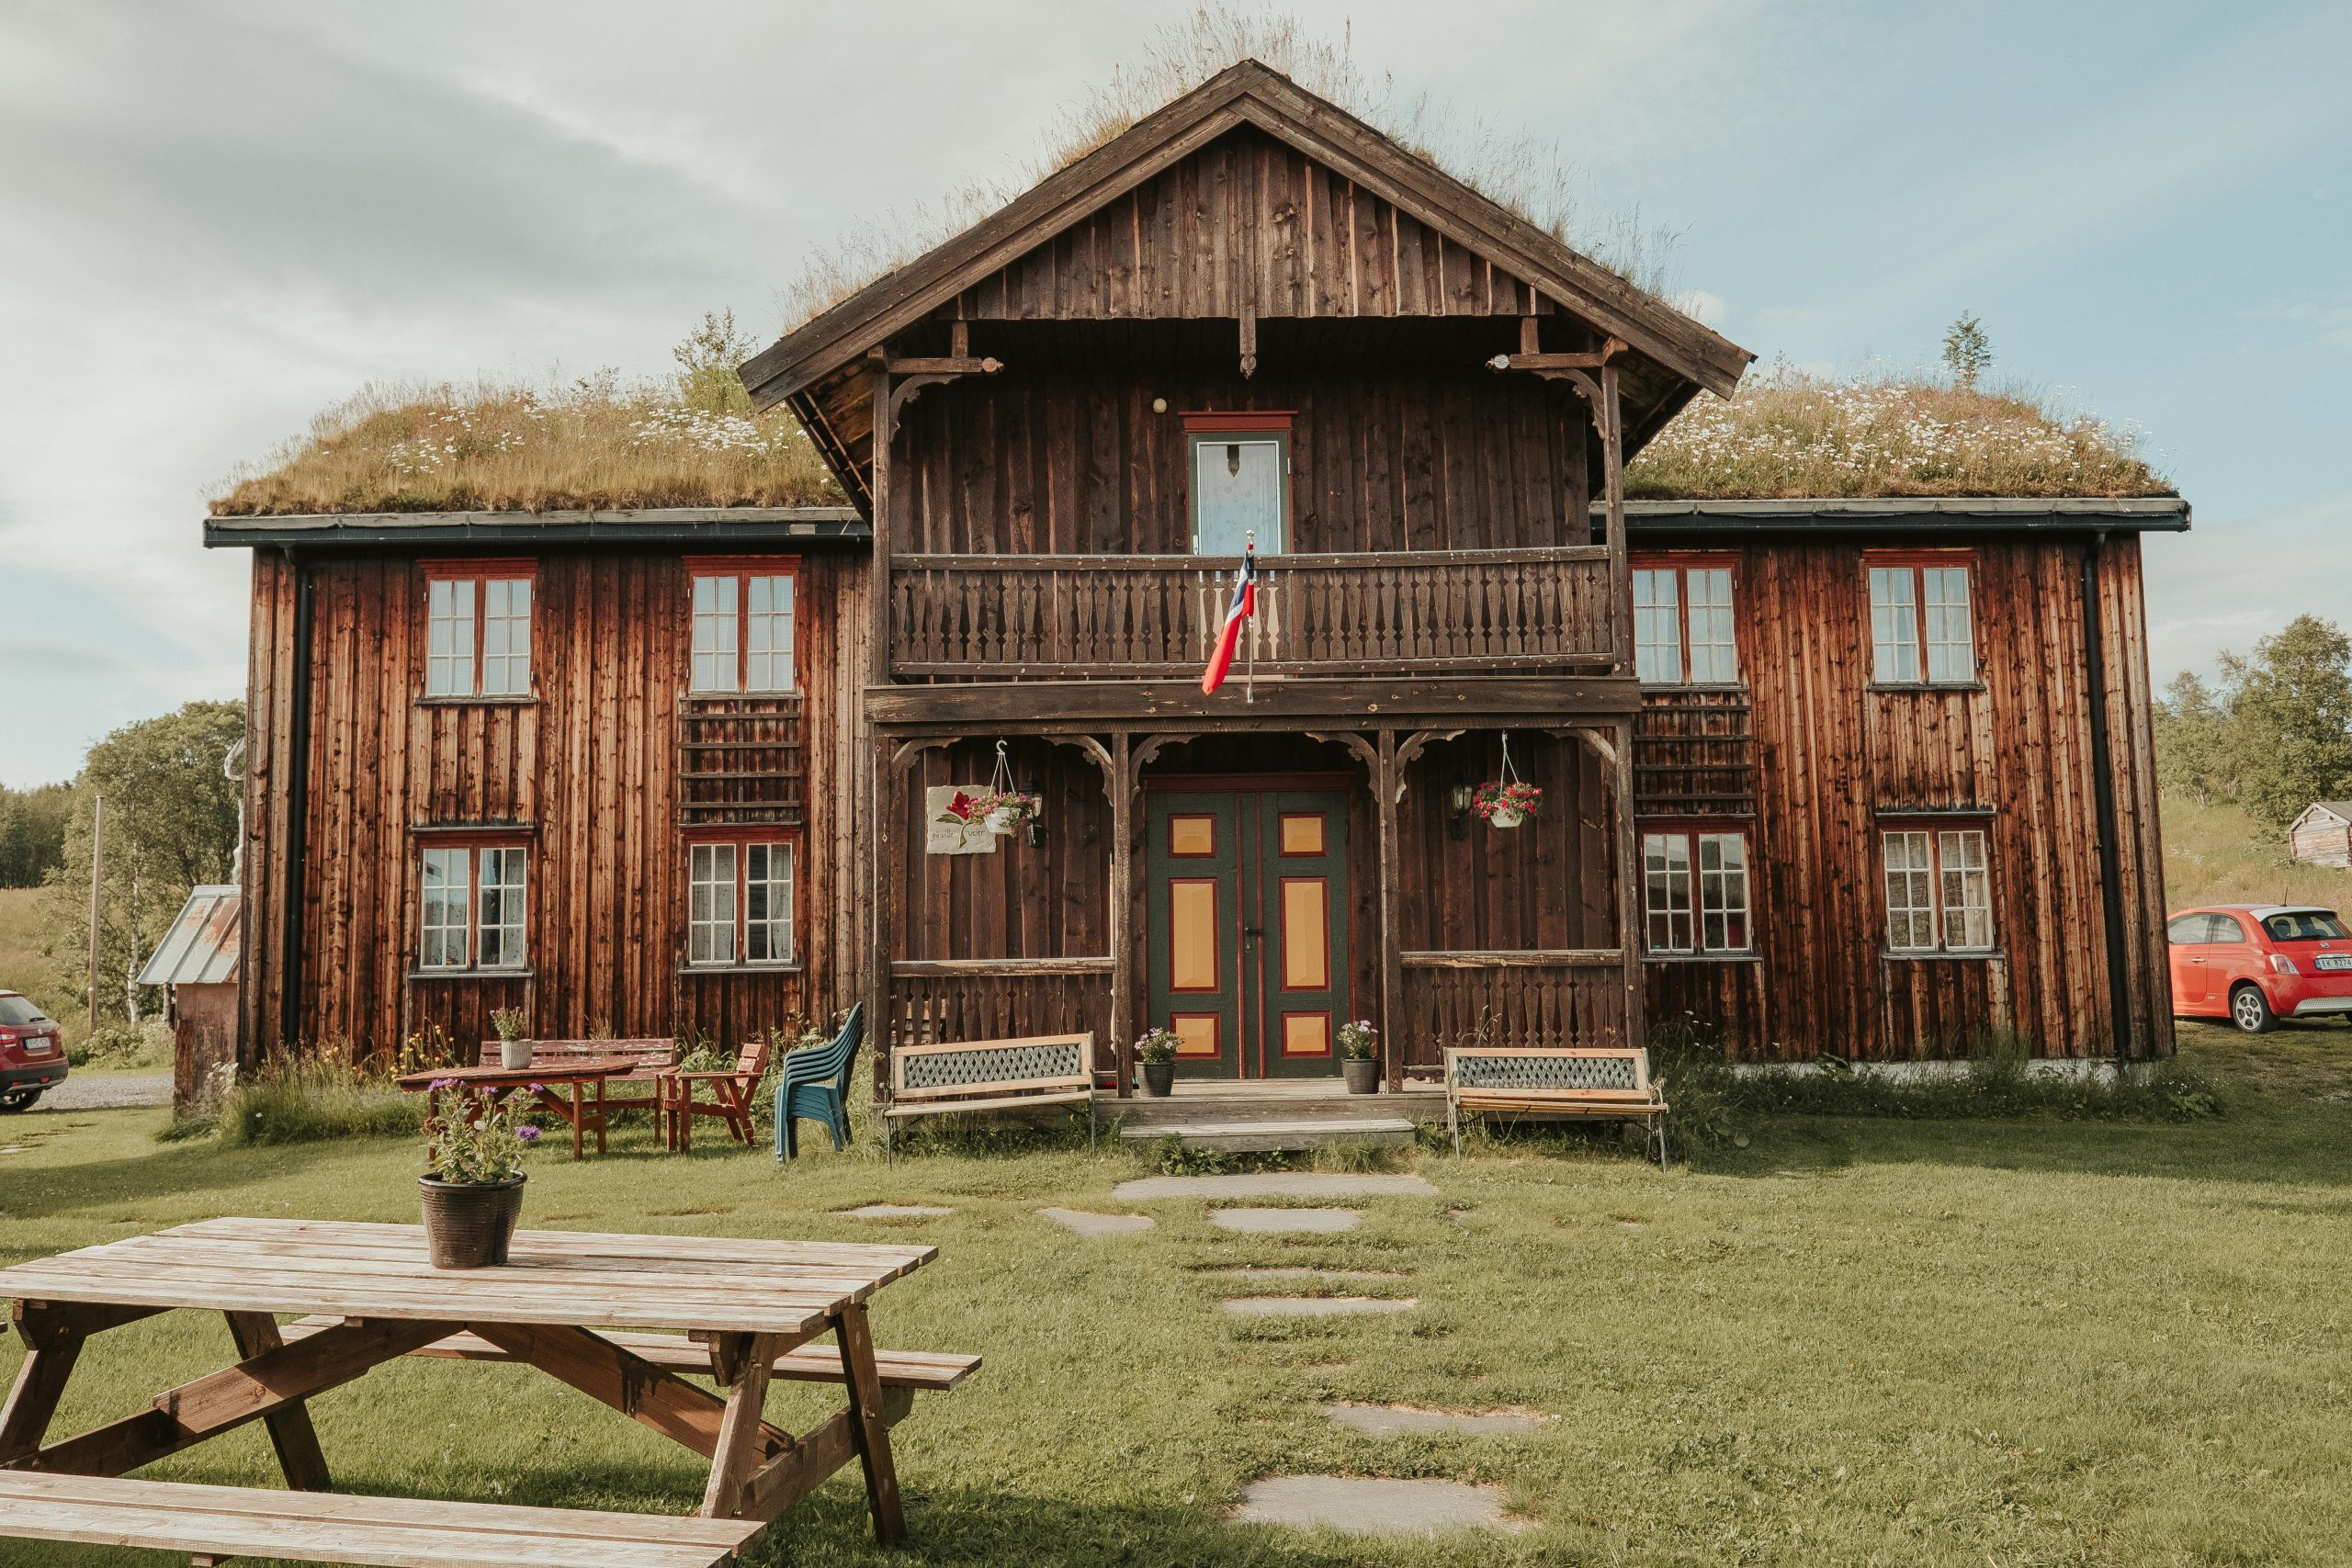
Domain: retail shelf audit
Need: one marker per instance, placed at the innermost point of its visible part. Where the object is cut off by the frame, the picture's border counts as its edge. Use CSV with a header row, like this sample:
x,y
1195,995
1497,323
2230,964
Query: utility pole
x,y
98,861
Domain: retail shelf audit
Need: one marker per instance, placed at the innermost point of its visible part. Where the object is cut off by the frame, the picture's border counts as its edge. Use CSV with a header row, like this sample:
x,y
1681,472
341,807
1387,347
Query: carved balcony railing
x,y
1070,618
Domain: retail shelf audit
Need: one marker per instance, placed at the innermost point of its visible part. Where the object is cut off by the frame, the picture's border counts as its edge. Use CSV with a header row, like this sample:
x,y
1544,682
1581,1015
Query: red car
x,y
2255,963
33,1052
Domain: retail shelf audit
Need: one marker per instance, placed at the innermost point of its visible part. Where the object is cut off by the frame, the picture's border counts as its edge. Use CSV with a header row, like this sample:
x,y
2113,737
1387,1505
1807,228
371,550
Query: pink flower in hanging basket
x,y
1511,801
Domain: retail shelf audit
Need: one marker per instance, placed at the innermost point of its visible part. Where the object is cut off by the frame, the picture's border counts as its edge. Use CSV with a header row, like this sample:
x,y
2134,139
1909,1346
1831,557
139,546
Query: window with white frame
x,y
1923,627
472,906
1695,892
739,902
742,632
1939,890
477,629
1684,631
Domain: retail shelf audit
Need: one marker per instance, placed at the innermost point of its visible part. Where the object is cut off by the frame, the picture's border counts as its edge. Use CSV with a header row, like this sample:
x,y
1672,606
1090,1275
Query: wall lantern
x,y
1459,797
1035,791
1159,405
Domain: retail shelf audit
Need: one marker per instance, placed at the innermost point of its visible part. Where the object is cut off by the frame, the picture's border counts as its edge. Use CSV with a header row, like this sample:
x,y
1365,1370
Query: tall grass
x,y
2215,854
1789,434
1532,176
308,1099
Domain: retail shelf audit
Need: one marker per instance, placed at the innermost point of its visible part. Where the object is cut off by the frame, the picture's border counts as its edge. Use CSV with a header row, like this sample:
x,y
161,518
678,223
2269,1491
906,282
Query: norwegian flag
x,y
1244,606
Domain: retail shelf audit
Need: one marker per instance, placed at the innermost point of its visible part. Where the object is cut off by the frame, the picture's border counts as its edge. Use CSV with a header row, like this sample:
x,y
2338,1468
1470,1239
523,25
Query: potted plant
x,y
514,1051
1002,811
1156,1051
1507,803
1360,1056
473,1178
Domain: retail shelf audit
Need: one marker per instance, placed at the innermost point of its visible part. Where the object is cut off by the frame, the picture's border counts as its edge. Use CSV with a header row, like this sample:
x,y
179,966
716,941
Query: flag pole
x,y
1249,633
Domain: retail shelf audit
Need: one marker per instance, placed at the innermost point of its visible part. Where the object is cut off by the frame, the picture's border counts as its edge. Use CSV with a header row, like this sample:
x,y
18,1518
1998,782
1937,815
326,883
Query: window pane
x,y
1666,890
1236,490
1951,647
1967,890
767,903
714,634
1895,626
1714,650
506,637
1910,893
1723,892
767,630
710,904
442,922
449,638
1658,628
501,907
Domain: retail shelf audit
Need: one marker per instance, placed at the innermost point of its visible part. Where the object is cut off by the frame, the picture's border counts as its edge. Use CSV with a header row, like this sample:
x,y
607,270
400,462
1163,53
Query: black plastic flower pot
x,y
1362,1075
470,1225
1159,1078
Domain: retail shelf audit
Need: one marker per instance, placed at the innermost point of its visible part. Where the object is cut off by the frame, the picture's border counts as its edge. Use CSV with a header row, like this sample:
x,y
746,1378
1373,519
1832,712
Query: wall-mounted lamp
x,y
1035,792
1459,797
1159,405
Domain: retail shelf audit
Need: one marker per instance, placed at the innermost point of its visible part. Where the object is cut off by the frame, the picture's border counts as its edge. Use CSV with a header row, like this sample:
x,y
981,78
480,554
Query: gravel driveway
x,y
107,1092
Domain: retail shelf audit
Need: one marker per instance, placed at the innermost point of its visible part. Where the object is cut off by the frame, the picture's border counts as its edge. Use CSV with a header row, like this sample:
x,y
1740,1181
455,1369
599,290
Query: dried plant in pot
x,y
514,1050
472,1184
1156,1049
1360,1056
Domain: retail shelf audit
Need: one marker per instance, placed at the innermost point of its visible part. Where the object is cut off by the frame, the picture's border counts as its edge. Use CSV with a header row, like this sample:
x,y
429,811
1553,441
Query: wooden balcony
x,y
1077,617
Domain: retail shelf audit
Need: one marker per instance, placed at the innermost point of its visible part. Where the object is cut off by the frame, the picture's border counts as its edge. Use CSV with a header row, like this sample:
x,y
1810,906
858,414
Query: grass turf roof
x,y
596,445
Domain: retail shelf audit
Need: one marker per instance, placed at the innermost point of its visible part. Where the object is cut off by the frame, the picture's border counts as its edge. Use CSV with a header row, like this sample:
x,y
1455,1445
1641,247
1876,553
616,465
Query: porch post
x,y
881,932
1612,468
1385,779
1629,904
1123,893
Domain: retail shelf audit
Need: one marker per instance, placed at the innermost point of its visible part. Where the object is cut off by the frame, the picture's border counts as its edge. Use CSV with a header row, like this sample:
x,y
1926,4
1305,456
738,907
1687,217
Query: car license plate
x,y
2336,961
39,1047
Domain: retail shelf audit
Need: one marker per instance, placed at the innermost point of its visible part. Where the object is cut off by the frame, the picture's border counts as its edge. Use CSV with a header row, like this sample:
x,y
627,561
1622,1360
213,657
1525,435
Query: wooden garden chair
x,y
815,1084
731,1097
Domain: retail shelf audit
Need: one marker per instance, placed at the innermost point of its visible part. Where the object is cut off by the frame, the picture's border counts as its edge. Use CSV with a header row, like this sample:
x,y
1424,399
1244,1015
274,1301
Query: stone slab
x,y
1271,1136
1086,1223
1359,1505
1277,1222
895,1212
1315,1306
1274,1184
1247,1272
1397,1420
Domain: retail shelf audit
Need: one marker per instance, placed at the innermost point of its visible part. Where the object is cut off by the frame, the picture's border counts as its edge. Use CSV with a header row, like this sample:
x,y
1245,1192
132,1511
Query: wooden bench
x,y
653,1057
926,1371
1544,1082
992,1075
211,1524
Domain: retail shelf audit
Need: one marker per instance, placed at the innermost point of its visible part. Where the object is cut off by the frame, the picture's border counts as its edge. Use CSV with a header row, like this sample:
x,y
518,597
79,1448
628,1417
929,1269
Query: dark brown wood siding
x,y
1830,757
593,772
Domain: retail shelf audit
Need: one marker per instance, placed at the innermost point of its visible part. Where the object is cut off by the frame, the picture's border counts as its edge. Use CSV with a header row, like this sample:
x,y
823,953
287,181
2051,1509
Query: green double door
x,y
1247,928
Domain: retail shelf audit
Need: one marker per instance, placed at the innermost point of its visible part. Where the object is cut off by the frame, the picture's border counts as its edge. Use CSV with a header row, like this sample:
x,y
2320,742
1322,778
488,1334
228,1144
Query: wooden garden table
x,y
542,1079
376,1298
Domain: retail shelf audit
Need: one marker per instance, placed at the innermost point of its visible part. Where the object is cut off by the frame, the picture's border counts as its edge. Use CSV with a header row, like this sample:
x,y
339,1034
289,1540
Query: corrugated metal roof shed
x,y
201,947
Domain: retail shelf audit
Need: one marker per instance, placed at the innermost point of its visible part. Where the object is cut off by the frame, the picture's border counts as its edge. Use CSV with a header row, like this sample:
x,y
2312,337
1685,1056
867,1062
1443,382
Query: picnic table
x,y
543,1080
364,1295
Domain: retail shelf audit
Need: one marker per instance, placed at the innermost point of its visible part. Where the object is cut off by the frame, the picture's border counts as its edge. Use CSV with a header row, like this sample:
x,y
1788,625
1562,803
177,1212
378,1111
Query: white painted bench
x,y
992,1075
1546,1082
212,1524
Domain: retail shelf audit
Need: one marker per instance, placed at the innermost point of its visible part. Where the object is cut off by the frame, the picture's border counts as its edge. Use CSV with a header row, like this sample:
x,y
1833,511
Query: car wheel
x,y
2250,1010
18,1100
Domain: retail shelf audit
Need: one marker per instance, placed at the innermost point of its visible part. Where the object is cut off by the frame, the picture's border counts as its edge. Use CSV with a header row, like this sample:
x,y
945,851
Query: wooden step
x,y
322,1526
1255,1137
928,1371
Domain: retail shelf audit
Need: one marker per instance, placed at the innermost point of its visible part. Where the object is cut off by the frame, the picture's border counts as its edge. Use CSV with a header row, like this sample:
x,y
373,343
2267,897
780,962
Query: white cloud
x,y
2231,579
1701,306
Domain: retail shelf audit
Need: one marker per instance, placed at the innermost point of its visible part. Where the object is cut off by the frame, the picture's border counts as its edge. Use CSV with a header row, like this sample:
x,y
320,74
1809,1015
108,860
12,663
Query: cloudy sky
x,y
217,218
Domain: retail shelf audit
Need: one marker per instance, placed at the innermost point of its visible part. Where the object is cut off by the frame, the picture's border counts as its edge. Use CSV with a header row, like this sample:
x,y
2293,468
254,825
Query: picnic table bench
x,y
1552,1082
577,1305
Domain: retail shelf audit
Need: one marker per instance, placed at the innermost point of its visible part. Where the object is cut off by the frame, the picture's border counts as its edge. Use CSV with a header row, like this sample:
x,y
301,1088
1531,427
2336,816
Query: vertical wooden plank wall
x,y
590,770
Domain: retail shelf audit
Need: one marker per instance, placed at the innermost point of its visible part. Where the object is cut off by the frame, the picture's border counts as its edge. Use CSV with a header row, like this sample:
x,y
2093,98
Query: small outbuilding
x,y
198,960
2322,834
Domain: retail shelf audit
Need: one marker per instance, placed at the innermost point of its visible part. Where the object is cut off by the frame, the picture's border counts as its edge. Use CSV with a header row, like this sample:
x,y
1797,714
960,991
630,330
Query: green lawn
x,y
1852,1342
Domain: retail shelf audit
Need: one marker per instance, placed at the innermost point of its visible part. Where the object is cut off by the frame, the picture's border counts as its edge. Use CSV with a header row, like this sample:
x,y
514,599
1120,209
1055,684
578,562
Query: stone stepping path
x,y
1273,1184
1362,1507
895,1212
1247,1272
1085,1223
1397,1420
1315,1306
1276,1222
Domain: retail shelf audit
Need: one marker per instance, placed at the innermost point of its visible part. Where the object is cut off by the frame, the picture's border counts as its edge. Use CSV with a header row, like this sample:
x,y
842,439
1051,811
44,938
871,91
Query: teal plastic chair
x,y
816,1085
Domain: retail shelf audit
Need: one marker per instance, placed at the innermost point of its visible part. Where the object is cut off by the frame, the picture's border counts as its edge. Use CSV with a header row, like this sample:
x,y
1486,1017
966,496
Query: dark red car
x,y
2255,963
33,1052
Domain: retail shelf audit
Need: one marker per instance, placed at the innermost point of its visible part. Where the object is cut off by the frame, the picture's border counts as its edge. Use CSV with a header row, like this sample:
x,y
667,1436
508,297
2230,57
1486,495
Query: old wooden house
x,y
2322,835
1869,777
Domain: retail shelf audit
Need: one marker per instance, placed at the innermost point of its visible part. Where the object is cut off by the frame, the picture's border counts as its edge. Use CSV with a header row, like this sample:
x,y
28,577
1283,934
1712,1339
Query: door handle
x,y
1248,932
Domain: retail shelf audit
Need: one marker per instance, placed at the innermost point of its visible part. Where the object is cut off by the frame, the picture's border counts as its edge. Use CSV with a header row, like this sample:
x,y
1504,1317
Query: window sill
x,y
1699,688
1925,686
793,967
1702,958
526,700
776,695
1940,955
419,973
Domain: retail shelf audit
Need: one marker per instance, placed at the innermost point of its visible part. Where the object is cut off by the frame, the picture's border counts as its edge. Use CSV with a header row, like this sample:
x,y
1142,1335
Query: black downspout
x,y
2110,883
298,814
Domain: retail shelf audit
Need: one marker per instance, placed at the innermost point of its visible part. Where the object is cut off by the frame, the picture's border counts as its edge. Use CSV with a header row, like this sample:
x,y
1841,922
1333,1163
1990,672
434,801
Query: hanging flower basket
x,y
1004,812
1509,799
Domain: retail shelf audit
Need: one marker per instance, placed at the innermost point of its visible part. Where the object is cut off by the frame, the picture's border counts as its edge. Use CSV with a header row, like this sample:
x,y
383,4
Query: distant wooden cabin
x,y
199,959
2322,834
1865,777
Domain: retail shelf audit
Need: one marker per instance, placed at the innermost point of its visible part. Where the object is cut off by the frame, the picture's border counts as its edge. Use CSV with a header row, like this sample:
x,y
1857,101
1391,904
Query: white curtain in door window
x,y
1237,490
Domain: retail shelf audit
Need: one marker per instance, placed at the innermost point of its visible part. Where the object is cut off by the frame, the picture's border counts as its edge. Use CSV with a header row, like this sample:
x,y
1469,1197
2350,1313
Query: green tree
x,y
171,824
2291,712
707,362
1968,353
2198,751
32,832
